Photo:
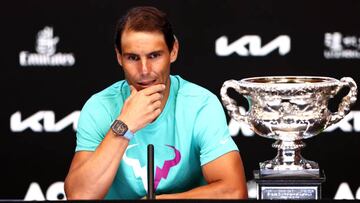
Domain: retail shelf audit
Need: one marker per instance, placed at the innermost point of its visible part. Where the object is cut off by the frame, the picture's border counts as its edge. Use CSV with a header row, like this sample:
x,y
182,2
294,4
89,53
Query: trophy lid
x,y
269,83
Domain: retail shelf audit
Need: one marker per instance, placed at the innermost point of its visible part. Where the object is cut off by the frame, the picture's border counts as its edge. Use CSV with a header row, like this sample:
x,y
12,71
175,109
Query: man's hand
x,y
142,107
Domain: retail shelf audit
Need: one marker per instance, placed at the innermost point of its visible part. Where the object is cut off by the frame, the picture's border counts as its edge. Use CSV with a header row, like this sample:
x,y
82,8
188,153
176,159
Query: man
x,y
195,156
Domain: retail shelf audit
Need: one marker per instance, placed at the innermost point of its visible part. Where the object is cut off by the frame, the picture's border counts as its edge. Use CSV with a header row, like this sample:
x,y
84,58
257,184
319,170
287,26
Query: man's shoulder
x,y
189,89
113,91
109,95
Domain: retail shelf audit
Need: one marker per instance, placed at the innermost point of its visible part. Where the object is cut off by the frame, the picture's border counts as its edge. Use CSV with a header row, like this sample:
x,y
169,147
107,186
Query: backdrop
x,y
56,54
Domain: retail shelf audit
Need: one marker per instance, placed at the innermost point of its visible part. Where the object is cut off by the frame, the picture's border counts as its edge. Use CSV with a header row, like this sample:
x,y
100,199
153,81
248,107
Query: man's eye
x,y
133,58
154,55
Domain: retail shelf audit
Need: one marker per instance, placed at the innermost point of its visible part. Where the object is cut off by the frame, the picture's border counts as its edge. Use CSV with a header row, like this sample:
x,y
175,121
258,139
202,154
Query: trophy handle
x,y
229,103
347,101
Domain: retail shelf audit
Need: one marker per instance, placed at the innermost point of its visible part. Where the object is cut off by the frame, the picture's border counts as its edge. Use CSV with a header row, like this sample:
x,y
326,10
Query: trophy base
x,y
305,173
288,187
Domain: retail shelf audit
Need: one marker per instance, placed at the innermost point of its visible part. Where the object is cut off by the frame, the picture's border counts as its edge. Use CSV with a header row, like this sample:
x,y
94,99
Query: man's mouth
x,y
146,83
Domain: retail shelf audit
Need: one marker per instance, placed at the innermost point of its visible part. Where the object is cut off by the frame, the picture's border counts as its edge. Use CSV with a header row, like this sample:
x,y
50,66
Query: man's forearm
x,y
92,179
215,190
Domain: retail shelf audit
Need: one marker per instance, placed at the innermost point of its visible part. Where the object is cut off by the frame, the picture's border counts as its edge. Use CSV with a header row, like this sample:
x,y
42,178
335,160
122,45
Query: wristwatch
x,y
121,129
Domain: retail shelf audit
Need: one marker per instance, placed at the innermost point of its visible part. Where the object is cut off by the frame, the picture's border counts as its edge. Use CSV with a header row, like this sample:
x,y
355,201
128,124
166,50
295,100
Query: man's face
x,y
145,58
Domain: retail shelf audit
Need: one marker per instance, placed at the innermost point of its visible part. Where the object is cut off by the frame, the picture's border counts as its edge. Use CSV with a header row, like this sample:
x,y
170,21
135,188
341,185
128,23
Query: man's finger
x,y
155,88
156,97
156,105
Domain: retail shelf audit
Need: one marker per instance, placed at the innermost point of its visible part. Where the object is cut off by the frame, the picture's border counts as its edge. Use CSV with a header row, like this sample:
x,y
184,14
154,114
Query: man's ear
x,y
118,56
174,51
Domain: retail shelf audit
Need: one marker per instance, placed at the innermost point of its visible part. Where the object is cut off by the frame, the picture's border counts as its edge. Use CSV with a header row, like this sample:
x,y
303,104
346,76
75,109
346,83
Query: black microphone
x,y
150,171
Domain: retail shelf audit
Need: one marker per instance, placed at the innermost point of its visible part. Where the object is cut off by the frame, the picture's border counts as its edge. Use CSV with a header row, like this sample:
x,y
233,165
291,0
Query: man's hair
x,y
148,19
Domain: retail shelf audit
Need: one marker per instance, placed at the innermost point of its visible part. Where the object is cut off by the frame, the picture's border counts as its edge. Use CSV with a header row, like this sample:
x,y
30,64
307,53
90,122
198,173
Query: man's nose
x,y
145,66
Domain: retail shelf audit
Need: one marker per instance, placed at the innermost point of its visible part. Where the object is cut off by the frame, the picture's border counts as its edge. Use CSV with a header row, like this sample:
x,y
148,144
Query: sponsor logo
x,y
54,192
235,127
250,45
350,123
46,55
346,125
344,192
339,46
43,121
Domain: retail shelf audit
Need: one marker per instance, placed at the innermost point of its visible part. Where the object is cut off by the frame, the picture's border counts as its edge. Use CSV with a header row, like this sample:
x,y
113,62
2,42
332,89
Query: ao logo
x,y
223,48
42,121
344,192
54,192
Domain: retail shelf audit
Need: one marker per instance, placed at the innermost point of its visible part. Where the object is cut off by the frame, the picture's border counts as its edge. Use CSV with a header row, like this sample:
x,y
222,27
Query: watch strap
x,y
128,135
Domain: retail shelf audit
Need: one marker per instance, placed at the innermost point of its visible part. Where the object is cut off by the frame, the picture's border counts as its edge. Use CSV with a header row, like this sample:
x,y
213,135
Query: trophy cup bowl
x,y
289,109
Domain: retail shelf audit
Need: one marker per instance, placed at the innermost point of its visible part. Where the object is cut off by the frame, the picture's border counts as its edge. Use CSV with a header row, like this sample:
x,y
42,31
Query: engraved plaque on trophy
x,y
289,109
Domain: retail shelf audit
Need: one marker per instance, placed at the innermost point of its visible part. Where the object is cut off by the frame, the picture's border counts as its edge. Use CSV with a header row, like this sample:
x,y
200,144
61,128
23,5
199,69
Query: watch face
x,y
119,127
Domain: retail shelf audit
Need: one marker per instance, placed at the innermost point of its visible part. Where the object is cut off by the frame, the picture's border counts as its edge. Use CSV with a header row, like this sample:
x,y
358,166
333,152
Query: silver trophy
x,y
289,109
